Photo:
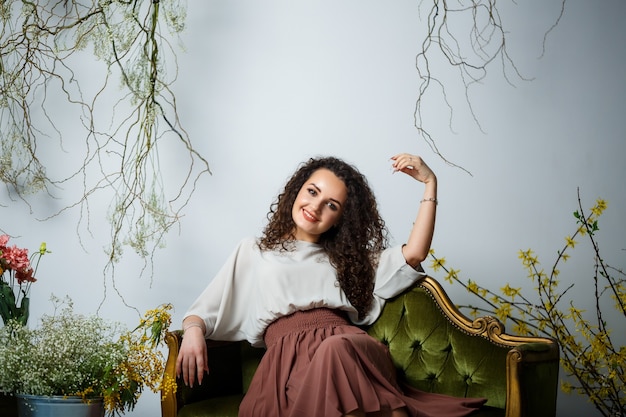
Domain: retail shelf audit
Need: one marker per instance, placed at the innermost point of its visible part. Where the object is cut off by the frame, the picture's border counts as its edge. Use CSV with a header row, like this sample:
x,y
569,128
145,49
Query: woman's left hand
x,y
414,166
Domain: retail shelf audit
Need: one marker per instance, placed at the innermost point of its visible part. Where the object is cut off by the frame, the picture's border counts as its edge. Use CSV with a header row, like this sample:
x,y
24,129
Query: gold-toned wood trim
x,y
513,407
169,404
487,326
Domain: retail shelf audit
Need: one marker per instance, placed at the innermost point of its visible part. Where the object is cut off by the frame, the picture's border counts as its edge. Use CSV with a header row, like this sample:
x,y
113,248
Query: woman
x,y
321,266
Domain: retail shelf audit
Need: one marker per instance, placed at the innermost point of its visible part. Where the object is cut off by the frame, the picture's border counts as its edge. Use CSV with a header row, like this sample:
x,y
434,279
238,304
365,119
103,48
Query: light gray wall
x,y
265,85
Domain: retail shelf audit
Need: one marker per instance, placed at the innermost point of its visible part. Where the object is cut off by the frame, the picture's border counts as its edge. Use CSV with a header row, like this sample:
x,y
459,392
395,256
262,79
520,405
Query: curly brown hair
x,y
355,242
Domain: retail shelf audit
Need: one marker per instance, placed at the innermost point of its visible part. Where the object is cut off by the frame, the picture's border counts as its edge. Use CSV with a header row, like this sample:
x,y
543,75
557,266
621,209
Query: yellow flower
x,y
570,242
575,312
566,387
472,287
437,263
524,254
453,274
528,258
503,311
599,207
521,328
510,292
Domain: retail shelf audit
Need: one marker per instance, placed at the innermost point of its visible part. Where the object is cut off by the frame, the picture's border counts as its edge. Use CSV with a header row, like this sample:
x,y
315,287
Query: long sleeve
x,y
224,304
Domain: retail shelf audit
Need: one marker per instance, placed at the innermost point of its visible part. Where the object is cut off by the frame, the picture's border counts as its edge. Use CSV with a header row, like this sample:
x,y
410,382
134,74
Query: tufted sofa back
x,y
434,355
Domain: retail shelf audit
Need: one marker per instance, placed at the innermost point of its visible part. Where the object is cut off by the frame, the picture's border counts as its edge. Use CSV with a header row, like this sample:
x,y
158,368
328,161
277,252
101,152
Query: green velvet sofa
x,y
434,347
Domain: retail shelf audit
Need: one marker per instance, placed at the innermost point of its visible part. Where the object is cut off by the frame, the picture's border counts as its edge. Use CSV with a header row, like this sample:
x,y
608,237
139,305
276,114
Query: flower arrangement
x,y
593,355
77,355
16,277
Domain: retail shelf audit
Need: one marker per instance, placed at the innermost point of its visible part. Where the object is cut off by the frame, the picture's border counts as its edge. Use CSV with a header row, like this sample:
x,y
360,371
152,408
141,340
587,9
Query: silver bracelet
x,y
190,325
434,200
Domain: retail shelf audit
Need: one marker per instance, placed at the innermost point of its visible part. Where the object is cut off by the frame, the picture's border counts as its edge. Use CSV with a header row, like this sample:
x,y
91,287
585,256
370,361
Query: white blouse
x,y
256,287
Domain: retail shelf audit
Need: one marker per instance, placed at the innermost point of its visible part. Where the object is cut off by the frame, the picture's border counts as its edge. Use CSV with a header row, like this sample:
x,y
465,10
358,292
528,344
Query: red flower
x,y
25,275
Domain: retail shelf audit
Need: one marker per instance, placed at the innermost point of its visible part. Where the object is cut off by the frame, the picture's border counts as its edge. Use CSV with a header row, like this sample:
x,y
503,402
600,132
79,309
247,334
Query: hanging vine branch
x,y
471,37
41,47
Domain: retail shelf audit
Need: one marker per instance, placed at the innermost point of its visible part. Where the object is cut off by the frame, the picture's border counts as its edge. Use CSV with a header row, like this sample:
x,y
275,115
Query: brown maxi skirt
x,y
319,365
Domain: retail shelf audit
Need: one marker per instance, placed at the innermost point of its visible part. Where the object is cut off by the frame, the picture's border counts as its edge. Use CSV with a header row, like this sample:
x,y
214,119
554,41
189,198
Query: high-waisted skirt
x,y
319,365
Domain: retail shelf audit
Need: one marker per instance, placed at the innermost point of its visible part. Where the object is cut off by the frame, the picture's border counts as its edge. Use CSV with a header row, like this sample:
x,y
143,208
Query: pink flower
x,y
16,276
16,258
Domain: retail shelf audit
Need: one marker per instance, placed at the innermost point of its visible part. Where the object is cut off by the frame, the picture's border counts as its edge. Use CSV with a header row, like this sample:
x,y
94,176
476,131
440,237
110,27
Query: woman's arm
x,y
218,313
192,357
421,236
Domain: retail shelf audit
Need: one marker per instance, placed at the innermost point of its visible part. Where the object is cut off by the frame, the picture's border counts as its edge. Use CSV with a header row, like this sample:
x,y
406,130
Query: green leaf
x,y
23,311
595,226
156,329
7,302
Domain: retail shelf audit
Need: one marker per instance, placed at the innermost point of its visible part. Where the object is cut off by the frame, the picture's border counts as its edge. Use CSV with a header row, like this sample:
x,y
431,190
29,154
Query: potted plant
x,y
83,358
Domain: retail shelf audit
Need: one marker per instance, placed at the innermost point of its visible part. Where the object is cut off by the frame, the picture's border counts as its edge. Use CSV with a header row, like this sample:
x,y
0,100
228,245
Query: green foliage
x,y
593,361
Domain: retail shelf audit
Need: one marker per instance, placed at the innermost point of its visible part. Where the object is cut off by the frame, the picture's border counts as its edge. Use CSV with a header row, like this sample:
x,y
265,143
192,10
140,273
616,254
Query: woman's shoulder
x,y
248,243
249,240
246,250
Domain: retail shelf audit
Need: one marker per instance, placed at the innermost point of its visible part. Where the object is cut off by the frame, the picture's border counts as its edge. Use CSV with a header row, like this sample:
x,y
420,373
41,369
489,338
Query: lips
x,y
309,217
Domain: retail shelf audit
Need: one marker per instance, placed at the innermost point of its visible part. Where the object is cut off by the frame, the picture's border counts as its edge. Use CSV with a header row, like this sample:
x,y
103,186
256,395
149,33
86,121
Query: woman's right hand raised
x,y
192,356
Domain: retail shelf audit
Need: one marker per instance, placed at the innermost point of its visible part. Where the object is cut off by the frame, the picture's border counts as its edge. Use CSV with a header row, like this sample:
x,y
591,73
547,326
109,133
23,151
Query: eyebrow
x,y
319,190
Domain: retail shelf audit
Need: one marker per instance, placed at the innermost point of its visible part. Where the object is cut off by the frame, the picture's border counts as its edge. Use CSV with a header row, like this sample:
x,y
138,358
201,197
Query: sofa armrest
x,y
169,406
225,376
531,368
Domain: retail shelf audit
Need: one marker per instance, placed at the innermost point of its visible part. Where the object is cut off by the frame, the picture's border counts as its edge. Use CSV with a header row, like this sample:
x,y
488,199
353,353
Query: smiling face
x,y
318,205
